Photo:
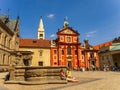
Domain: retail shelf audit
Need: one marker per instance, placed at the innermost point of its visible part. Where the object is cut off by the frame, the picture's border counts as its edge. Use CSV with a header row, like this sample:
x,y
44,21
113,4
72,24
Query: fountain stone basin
x,y
27,74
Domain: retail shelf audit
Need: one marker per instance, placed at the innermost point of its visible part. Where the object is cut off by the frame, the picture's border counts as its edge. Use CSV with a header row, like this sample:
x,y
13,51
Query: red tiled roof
x,y
97,47
34,43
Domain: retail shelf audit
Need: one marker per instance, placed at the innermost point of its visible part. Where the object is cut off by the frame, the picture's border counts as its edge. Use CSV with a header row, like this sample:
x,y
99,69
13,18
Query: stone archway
x,y
116,59
27,60
69,65
92,64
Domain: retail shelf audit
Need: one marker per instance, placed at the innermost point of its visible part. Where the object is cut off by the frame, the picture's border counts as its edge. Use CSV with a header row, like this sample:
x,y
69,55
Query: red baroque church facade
x,y
66,50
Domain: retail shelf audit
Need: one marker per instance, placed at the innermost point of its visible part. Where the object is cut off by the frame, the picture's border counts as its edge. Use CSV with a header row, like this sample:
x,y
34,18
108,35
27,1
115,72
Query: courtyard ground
x,y
89,80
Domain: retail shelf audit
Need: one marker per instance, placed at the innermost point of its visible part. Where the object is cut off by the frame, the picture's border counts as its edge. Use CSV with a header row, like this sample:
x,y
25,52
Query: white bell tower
x,y
41,31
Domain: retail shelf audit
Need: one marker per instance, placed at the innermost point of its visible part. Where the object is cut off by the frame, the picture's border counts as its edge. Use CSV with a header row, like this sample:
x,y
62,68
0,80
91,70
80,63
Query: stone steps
x,y
37,82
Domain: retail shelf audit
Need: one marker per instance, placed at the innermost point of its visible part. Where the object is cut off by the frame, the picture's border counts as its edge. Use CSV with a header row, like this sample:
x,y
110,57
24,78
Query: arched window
x,y
40,35
62,52
91,55
40,52
3,59
69,50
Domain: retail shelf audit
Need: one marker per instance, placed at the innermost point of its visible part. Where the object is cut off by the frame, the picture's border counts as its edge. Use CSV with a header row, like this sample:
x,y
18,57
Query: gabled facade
x,y
91,56
9,40
66,50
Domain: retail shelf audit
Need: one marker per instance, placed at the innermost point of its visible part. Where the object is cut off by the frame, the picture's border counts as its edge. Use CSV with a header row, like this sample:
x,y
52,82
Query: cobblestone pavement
x,y
97,80
3,88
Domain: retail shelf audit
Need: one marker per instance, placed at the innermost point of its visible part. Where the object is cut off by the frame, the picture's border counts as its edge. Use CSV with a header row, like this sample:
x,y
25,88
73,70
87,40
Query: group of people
x,y
66,75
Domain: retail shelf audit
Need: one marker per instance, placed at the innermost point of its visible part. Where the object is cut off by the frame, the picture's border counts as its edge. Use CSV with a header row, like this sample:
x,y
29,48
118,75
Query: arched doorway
x,y
69,61
93,62
27,60
69,64
116,60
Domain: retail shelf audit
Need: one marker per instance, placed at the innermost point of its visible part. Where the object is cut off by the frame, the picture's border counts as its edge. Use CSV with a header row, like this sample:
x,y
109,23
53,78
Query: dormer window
x,y
34,41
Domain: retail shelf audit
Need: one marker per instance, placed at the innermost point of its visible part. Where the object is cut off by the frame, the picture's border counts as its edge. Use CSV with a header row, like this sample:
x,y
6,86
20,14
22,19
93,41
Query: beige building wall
x,y
39,56
9,41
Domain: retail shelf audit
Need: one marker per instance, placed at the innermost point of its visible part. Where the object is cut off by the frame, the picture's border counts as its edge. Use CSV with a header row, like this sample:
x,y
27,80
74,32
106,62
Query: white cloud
x,y
50,15
52,35
90,34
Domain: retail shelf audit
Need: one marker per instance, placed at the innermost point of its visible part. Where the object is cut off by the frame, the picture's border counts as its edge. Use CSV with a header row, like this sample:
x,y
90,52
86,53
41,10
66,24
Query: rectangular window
x,y
82,52
91,55
34,41
68,39
40,52
75,52
69,50
55,52
55,57
61,38
82,57
62,52
40,63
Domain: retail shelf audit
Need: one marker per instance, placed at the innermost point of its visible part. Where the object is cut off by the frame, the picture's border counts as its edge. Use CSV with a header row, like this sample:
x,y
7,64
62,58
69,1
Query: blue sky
x,y
97,20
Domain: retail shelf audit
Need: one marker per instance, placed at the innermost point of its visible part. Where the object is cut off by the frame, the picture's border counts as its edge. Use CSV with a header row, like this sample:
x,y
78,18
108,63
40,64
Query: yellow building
x,y
39,48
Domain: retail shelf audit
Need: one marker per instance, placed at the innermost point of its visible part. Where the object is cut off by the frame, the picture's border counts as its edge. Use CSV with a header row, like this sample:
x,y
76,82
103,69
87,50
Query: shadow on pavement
x,y
70,84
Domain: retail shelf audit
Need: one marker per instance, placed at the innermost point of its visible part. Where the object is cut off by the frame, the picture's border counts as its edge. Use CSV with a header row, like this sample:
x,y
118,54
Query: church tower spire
x,y
41,31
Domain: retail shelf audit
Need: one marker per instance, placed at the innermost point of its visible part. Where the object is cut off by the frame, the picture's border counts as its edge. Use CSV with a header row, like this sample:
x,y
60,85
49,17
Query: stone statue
x,y
18,60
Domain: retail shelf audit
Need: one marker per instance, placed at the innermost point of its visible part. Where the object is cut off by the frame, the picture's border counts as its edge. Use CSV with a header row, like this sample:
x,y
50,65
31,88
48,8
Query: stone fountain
x,y
21,74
